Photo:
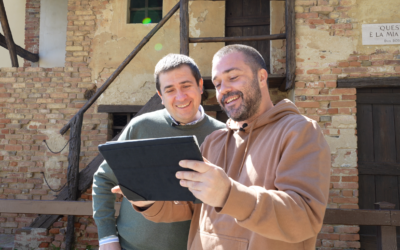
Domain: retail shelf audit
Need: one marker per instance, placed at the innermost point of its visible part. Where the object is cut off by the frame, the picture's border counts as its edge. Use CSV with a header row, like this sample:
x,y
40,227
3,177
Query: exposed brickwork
x,y
35,103
317,96
32,29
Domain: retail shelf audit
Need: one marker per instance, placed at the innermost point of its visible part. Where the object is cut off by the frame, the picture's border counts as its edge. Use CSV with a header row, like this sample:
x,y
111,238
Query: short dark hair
x,y
253,58
174,61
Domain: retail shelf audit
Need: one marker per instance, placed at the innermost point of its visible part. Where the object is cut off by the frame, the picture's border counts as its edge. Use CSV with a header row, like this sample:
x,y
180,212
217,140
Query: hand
x,y
143,204
210,183
111,246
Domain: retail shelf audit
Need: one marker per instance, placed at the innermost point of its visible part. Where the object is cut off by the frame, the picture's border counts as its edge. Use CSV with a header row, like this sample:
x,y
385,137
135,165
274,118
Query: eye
x,y
234,78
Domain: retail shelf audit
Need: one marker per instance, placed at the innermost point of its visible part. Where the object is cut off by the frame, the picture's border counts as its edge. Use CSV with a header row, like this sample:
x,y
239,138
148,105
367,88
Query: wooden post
x,y
184,15
290,45
73,172
386,238
20,51
8,35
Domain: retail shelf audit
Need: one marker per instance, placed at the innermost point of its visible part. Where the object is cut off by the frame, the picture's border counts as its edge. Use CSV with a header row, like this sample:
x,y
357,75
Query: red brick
x,y
347,244
350,178
340,91
336,71
346,185
349,237
44,245
355,64
13,147
344,64
308,104
342,104
329,21
54,231
345,200
315,21
328,236
347,193
306,15
346,229
392,62
349,97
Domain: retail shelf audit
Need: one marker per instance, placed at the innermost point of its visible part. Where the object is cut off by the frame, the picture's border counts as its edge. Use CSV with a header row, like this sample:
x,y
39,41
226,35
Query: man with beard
x,y
265,178
179,85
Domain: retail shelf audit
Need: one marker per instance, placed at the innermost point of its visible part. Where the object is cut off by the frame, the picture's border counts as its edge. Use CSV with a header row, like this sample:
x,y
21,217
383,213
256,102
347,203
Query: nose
x,y
224,88
180,95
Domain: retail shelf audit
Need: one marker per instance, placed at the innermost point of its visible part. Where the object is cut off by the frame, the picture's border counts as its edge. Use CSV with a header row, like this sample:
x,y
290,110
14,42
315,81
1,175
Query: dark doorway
x,y
378,130
249,18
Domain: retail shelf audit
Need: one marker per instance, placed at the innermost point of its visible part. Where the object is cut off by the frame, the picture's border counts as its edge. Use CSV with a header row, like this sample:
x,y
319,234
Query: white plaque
x,y
381,34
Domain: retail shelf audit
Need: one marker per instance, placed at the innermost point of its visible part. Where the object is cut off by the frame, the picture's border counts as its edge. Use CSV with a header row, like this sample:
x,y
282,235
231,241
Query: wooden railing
x,y
384,216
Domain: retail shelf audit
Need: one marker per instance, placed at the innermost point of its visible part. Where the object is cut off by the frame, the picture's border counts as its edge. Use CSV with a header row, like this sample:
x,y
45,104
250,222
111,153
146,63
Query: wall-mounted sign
x,y
381,34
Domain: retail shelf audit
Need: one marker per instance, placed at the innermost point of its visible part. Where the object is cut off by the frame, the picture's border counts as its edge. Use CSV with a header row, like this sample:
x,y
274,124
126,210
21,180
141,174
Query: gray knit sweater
x,y
134,231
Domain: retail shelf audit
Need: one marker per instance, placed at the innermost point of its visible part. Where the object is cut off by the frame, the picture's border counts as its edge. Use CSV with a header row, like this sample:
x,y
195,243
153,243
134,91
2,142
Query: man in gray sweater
x,y
179,85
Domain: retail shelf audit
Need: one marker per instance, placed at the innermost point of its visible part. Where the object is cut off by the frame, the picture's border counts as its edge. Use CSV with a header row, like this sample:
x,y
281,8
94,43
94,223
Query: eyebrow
x,y
226,72
170,86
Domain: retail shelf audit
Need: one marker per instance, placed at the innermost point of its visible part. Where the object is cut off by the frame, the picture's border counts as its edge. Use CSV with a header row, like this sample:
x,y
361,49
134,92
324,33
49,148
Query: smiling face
x,y
180,94
237,87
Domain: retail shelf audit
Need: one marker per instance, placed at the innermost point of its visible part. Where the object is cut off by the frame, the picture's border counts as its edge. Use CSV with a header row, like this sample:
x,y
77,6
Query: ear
x,y
262,77
201,82
159,94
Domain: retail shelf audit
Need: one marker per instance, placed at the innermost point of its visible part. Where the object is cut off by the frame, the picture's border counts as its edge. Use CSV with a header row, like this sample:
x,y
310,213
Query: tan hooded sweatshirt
x,y
279,169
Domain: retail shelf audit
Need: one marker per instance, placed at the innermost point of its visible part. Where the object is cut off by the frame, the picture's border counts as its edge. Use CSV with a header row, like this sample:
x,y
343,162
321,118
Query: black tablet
x,y
146,168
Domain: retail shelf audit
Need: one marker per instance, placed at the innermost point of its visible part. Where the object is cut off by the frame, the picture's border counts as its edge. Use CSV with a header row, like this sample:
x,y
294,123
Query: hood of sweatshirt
x,y
281,109
277,112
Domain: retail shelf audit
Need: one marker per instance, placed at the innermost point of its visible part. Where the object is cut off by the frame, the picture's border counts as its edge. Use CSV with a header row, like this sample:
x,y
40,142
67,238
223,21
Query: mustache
x,y
239,93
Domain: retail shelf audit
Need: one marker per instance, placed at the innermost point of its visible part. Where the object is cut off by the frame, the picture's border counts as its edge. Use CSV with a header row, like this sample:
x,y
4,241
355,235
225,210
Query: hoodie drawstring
x,y
247,146
226,149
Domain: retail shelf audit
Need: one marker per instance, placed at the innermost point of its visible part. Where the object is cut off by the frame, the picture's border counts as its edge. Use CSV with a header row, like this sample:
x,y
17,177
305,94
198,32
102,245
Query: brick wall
x,y
317,96
32,25
35,103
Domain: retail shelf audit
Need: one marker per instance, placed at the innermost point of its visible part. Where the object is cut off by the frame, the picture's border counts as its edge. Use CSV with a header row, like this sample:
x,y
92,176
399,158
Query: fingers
x,y
116,190
198,166
188,175
191,185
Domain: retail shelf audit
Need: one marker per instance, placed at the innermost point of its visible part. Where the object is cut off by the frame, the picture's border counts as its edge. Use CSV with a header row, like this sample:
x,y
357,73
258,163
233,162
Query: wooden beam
x,y
378,168
121,67
386,235
236,39
86,175
73,173
357,217
119,108
50,207
378,98
290,24
332,216
20,51
369,82
7,32
184,20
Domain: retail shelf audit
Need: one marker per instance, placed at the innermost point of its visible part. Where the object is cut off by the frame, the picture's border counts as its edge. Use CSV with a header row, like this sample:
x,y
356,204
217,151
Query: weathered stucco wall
x,y
15,10
114,39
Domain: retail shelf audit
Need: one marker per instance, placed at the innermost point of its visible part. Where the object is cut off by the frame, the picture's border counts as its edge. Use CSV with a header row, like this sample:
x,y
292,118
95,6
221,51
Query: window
x,y
145,11
119,122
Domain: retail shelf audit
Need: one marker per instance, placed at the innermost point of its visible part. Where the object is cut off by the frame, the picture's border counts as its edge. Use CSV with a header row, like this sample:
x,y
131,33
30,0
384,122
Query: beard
x,y
249,105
